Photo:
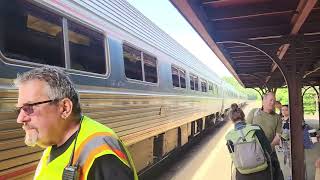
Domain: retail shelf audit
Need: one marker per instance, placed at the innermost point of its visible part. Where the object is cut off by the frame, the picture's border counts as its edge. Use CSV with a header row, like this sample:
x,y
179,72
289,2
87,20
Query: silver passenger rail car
x,y
131,76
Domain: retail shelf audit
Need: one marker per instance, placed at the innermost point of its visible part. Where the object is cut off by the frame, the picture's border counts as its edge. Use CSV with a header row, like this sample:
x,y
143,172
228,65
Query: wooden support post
x,y
318,95
3,26
296,118
319,109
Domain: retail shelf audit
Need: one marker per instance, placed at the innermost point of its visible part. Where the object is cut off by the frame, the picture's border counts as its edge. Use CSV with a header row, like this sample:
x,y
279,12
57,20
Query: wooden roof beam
x,y
252,63
304,8
243,10
254,60
315,69
251,32
242,52
248,56
252,15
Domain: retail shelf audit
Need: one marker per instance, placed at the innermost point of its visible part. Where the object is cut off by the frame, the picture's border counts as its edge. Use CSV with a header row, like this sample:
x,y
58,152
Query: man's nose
x,y
22,117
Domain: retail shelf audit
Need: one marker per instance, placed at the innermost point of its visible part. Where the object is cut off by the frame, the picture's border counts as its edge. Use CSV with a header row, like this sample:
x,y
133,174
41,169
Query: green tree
x,y
309,99
251,94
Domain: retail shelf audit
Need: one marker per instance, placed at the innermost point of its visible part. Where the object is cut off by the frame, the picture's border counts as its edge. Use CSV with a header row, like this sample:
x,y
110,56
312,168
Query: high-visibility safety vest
x,y
94,140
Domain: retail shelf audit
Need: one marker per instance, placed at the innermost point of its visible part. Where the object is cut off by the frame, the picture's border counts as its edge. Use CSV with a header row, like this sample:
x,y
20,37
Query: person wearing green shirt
x,y
271,124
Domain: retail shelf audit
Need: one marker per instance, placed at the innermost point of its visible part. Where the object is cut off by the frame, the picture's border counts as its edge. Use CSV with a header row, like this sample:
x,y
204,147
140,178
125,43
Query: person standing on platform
x,y
285,122
240,138
76,147
271,124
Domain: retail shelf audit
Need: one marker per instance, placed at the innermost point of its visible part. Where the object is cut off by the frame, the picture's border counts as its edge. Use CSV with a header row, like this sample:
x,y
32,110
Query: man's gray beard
x,y
31,137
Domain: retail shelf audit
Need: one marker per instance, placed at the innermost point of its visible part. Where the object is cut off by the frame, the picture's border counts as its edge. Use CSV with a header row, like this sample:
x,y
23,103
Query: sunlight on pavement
x,y
216,165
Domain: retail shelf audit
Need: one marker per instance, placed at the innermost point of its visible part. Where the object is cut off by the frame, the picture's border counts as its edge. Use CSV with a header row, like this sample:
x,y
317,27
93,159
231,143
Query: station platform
x,y
211,159
311,155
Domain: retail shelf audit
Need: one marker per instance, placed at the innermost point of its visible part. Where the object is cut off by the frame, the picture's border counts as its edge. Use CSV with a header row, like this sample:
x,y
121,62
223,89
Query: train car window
x,y
196,82
150,68
192,82
87,49
204,86
175,77
210,86
31,34
132,62
217,90
182,74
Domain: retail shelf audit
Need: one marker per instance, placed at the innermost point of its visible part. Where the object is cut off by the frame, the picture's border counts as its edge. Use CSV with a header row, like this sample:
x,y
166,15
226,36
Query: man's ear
x,y
66,108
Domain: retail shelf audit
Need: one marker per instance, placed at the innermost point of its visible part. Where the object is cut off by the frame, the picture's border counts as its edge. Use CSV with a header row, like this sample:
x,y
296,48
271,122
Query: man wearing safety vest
x,y
77,147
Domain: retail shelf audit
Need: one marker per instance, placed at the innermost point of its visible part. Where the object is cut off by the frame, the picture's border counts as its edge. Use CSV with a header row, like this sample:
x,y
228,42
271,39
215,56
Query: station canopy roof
x,y
287,29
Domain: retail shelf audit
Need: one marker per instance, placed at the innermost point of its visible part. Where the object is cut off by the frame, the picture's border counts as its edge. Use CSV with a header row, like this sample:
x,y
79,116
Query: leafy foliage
x,y
309,99
251,94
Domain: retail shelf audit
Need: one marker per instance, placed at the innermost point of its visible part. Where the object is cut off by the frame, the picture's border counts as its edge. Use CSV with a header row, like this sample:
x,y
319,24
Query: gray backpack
x,y
246,151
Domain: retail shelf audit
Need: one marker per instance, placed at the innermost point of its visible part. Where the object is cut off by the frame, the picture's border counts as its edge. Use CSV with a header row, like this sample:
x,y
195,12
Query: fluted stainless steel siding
x,y
123,15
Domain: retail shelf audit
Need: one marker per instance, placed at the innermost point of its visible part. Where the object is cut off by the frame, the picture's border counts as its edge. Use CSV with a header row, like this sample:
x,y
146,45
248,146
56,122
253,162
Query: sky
x,y
166,16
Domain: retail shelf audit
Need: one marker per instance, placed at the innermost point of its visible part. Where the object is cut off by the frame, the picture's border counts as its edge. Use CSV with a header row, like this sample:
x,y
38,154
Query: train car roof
x,y
123,15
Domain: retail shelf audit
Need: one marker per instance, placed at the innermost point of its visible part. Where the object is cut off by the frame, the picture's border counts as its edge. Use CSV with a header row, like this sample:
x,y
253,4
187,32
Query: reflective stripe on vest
x,y
96,145
94,140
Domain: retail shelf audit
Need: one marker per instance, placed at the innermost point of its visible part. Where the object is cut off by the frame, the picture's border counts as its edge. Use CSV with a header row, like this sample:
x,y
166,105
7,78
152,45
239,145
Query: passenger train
x,y
131,76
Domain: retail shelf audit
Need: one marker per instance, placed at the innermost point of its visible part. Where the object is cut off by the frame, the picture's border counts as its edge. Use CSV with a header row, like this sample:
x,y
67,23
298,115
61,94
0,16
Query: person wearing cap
x,y
76,146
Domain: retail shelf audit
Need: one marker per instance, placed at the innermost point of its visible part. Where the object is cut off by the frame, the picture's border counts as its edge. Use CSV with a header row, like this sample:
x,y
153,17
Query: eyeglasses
x,y
28,108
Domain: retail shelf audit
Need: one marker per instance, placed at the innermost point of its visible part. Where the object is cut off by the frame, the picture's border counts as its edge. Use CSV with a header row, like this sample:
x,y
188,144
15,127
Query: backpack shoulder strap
x,y
265,144
241,135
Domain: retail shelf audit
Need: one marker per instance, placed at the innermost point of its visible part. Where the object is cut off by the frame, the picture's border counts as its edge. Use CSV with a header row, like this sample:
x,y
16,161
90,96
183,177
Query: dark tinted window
x,y
194,82
87,52
210,87
204,86
178,77
196,86
150,68
135,61
30,34
132,62
216,90
182,74
175,77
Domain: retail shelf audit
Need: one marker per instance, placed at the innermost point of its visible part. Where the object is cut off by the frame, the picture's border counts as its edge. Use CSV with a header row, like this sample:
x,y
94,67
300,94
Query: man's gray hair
x,y
267,94
59,84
